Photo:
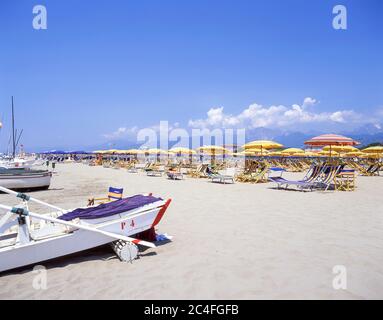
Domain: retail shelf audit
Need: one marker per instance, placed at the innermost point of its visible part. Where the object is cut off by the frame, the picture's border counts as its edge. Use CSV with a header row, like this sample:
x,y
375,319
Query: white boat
x,y
18,163
25,179
28,238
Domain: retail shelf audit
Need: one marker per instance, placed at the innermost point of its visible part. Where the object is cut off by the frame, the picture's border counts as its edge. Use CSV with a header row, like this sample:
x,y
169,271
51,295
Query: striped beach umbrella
x,y
331,140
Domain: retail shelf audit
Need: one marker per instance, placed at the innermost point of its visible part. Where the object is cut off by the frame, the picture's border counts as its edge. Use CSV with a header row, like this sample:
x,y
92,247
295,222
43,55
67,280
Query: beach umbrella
x,y
157,152
247,153
376,149
181,150
111,151
291,151
263,145
134,151
354,154
331,140
329,153
213,151
258,152
340,148
309,154
275,154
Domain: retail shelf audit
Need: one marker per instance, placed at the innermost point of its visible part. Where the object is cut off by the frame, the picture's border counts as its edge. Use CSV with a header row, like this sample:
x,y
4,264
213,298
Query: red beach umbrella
x,y
331,140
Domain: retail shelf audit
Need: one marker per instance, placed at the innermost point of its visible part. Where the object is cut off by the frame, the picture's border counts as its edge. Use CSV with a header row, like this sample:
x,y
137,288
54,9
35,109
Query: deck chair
x,y
113,194
224,176
308,182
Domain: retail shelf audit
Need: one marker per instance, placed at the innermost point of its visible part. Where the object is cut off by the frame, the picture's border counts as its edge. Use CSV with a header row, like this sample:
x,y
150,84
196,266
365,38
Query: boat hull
x,y
26,180
38,251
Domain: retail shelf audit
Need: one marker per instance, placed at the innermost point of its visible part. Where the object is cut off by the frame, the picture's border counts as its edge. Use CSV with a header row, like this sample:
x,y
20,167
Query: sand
x,y
240,241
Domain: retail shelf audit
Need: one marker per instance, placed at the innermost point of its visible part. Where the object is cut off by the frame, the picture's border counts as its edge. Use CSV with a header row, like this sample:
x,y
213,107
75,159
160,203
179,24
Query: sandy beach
x,y
241,241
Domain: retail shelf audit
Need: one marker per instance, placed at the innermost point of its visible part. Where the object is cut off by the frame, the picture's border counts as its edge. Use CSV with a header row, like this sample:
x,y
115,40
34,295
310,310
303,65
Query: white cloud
x,y
131,132
280,116
121,133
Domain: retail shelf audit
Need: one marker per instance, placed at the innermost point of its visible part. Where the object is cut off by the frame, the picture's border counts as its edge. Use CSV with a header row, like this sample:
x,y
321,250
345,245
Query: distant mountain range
x,y
365,135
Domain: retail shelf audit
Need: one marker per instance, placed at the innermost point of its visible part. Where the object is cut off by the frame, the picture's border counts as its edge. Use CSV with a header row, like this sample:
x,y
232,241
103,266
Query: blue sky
x,y
105,65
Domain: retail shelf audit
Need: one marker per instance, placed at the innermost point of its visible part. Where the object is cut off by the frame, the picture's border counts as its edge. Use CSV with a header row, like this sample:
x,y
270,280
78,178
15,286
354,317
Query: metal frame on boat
x,y
27,237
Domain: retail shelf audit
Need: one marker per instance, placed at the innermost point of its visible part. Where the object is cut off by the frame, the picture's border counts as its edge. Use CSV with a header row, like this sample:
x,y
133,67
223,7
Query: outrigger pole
x,y
25,197
24,212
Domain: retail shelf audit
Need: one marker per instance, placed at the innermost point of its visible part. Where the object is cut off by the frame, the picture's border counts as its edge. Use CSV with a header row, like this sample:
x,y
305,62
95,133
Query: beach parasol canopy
x,y
108,151
329,153
181,150
275,154
354,154
130,151
156,151
247,153
372,155
309,154
340,148
213,150
257,151
291,151
331,140
262,144
376,149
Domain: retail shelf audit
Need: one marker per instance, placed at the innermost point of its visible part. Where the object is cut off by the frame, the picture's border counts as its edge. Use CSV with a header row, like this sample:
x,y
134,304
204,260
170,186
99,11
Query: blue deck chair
x,y
113,194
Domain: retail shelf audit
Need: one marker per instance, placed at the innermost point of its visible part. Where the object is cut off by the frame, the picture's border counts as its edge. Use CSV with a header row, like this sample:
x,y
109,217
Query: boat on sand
x,y
28,238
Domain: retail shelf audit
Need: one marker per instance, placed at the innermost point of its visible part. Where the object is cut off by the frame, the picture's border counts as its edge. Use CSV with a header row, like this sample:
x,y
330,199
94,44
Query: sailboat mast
x,y
13,132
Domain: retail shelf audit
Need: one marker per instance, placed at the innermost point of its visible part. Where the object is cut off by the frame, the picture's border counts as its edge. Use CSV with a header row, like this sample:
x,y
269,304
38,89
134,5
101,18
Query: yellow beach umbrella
x,y
247,153
354,154
111,151
275,154
376,149
372,155
340,148
156,151
262,144
329,153
309,154
213,150
134,151
258,152
291,151
182,150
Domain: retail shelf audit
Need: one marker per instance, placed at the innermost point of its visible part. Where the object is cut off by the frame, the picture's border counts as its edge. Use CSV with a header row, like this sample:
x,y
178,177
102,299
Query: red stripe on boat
x,y
161,213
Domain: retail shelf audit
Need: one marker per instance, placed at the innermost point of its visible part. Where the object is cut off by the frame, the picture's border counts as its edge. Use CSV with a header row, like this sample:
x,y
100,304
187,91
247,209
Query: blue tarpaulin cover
x,y
110,208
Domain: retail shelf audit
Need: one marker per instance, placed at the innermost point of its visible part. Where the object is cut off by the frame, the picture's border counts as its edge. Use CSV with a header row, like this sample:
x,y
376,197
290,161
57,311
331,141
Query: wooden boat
x,y
25,179
28,238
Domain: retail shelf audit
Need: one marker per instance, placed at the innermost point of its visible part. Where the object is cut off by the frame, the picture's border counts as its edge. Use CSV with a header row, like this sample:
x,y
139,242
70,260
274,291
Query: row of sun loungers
x,y
319,177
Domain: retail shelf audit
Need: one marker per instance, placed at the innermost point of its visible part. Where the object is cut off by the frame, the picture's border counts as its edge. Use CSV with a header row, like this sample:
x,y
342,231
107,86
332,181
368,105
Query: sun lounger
x,y
320,178
175,175
280,181
155,171
225,176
